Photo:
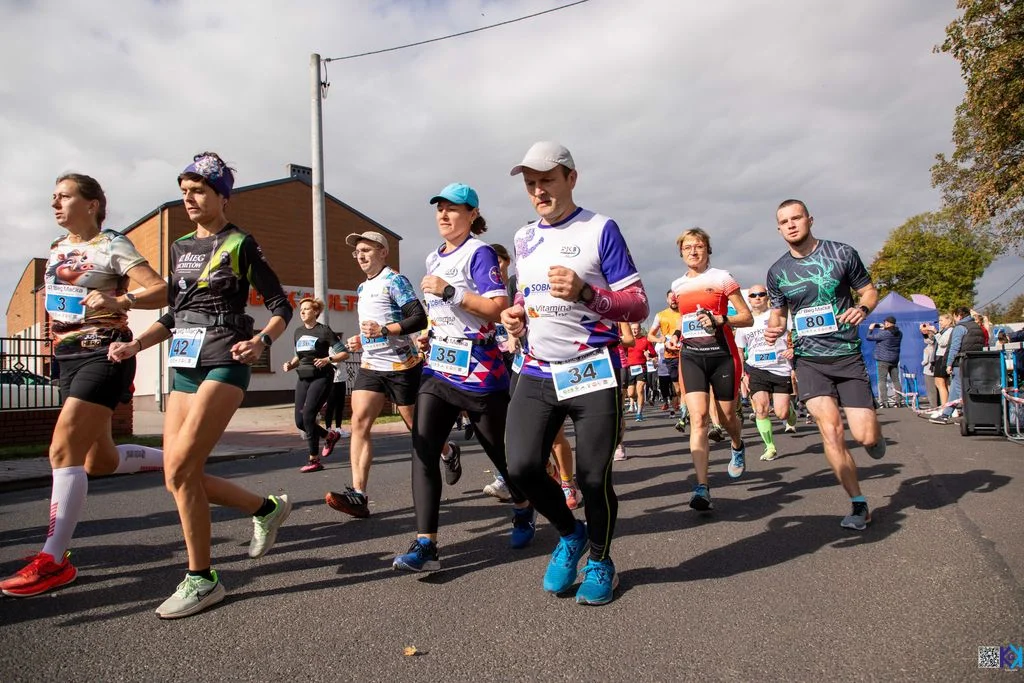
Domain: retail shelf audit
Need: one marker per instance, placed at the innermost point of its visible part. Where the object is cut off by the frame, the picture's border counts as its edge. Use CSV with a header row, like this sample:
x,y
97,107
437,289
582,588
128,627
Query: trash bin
x,y
982,382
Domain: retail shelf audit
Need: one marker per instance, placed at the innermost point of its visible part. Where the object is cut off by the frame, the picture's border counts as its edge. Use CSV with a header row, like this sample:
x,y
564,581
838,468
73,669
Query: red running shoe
x,y
41,574
312,466
329,442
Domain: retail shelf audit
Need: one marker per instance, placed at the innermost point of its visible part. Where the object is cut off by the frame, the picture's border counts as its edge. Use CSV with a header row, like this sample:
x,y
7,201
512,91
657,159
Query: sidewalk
x,y
252,432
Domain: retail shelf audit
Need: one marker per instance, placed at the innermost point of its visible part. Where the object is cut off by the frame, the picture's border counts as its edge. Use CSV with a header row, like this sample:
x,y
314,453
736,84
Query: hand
x,y
119,351
706,320
853,316
287,366
431,284
514,320
565,283
248,351
322,362
370,329
97,300
786,355
354,344
772,334
423,342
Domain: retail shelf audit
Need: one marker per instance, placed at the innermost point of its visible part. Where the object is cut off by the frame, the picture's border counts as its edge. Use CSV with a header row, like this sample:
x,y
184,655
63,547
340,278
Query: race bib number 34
x,y
815,320
186,344
64,302
583,376
452,356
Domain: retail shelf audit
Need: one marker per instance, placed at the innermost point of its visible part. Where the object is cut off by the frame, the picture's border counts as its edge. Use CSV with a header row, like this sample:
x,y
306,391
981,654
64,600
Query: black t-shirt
x,y
312,343
818,288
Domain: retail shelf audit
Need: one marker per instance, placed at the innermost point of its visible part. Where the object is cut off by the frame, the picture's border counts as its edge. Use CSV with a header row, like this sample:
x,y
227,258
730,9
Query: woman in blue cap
x,y
465,371
213,346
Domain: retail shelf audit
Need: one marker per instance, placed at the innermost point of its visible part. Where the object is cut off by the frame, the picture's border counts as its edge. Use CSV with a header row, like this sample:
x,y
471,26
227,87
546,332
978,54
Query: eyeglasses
x,y
757,295
693,247
362,252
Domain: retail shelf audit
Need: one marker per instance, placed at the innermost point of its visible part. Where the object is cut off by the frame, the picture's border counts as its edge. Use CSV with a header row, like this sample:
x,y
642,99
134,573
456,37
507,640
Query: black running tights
x,y
310,395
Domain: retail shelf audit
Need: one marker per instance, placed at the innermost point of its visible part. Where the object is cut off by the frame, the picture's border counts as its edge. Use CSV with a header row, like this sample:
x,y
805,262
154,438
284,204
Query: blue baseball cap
x,y
458,193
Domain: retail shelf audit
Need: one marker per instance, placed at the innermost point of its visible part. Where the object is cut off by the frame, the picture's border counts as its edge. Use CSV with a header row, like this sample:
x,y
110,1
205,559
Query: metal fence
x,y
28,374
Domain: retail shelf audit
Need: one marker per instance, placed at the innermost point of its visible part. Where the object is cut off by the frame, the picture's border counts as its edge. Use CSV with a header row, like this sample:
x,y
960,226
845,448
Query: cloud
x,y
679,113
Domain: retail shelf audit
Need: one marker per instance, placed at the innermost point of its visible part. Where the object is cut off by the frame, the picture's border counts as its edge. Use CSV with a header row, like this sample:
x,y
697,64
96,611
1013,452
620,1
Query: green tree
x,y
1012,312
933,254
984,177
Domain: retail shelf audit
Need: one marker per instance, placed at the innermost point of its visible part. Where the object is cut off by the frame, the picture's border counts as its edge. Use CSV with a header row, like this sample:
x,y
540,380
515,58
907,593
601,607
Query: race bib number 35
x,y
452,356
186,344
64,302
584,376
815,320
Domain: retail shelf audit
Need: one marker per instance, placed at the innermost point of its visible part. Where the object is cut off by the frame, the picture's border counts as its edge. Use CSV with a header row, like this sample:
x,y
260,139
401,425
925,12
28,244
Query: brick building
x,y
278,213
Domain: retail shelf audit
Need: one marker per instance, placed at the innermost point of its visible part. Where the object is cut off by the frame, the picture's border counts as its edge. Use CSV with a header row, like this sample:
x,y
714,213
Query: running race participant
x,y
316,347
637,357
708,359
766,371
626,342
390,365
213,346
576,280
464,371
815,281
334,411
87,300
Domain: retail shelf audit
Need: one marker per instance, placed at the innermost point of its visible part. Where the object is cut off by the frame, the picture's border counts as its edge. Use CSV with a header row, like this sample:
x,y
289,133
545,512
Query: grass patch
x,y
41,450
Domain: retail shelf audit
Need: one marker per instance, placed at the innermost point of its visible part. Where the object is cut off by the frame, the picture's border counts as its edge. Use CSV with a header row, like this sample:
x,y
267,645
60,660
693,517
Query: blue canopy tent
x,y
909,316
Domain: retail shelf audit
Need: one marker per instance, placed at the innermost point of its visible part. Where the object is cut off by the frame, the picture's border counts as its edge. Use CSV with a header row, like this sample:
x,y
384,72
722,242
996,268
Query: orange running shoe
x,y
41,574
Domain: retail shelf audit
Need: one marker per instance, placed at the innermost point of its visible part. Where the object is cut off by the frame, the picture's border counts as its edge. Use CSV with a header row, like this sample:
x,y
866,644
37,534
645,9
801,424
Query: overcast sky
x,y
678,112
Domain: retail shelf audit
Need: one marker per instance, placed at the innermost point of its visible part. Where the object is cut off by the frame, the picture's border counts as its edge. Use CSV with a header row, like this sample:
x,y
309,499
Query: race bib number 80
x,y
815,320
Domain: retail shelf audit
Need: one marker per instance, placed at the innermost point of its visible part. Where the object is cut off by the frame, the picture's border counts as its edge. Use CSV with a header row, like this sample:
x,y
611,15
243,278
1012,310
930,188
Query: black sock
x,y
265,509
205,573
596,552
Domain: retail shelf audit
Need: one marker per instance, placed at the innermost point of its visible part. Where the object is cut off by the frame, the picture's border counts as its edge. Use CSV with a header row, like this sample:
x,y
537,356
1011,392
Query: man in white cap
x,y
576,281
389,369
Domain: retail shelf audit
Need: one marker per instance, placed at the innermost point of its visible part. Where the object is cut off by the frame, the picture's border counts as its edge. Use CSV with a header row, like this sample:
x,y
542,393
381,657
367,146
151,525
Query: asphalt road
x,y
767,587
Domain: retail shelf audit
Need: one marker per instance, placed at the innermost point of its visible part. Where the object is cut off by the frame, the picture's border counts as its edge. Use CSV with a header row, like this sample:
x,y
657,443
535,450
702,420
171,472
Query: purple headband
x,y
214,171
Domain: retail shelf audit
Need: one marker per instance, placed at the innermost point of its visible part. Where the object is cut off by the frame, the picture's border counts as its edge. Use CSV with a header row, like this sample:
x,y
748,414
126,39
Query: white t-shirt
x,y
381,299
557,330
759,353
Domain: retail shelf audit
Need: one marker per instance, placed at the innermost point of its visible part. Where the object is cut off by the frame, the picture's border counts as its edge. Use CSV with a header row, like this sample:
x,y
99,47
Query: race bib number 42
x,y
186,343
815,320
583,376
64,302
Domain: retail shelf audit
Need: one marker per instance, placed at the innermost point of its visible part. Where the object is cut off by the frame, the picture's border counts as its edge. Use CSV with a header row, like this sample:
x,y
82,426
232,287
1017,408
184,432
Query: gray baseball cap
x,y
370,236
544,156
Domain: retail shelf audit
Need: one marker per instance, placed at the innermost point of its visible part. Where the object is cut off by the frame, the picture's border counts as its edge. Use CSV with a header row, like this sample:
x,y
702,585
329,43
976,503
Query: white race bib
x,y
690,328
651,367
586,375
815,320
373,343
517,362
305,343
452,356
635,370
64,302
186,343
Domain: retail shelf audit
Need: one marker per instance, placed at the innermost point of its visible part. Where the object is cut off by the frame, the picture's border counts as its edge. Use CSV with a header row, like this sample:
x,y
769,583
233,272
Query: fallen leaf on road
x,y
410,651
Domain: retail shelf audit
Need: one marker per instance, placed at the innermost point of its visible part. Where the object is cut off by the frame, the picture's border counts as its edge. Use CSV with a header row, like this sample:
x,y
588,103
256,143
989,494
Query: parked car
x,y
21,389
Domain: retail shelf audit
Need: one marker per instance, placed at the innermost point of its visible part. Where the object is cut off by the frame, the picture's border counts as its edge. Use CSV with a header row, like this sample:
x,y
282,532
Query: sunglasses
x,y
757,295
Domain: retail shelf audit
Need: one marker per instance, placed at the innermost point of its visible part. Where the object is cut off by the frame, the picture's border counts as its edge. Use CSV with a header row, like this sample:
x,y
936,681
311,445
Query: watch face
x,y
448,292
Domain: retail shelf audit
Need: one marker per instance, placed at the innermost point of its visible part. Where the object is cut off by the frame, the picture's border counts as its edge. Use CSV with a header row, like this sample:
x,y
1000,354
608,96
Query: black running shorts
x,y
845,379
400,386
704,372
762,380
97,380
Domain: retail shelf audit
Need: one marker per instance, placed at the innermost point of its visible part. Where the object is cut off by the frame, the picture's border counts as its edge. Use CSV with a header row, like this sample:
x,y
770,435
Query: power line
x,y
456,35
996,298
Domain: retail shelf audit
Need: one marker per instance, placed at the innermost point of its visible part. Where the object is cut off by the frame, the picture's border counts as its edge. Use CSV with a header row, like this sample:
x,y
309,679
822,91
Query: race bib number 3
x,y
373,343
64,302
584,376
186,343
452,356
815,320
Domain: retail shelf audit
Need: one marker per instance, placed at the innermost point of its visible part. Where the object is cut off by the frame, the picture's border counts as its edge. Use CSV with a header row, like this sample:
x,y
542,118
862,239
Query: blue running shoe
x,y
561,572
422,557
701,499
524,526
599,582
738,464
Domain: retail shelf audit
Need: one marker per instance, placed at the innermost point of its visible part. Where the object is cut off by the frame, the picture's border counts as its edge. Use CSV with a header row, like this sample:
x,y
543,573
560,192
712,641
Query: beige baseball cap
x,y
544,156
370,236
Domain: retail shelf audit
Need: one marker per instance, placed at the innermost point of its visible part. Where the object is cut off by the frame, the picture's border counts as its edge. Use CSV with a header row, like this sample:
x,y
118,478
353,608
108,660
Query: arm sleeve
x,y
626,305
167,320
414,318
485,272
264,279
401,291
337,345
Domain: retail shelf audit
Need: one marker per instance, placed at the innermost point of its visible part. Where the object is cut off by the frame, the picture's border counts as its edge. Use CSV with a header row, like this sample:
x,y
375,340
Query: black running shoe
x,y
453,464
350,502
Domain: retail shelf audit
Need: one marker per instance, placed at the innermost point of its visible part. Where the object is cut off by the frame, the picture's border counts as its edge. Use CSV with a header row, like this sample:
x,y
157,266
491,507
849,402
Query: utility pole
x,y
319,204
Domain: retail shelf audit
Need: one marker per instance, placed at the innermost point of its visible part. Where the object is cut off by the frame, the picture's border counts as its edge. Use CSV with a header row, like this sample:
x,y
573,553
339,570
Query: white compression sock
x,y
138,459
70,486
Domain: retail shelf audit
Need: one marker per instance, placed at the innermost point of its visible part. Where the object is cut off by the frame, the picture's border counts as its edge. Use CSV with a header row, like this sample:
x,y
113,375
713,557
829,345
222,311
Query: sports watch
x,y
266,339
